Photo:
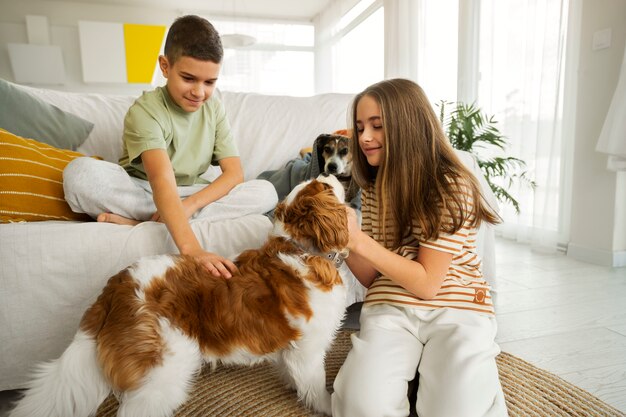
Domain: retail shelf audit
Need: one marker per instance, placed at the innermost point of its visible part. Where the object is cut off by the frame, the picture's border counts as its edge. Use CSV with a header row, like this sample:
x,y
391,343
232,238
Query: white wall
x,y
619,241
598,212
63,20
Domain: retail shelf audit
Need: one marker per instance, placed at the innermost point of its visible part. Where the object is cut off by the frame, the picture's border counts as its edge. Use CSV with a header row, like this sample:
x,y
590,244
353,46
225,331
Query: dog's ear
x,y
317,216
322,273
320,141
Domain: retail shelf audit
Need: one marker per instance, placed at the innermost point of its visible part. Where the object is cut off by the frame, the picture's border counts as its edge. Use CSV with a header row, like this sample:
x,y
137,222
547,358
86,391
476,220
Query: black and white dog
x,y
335,153
334,158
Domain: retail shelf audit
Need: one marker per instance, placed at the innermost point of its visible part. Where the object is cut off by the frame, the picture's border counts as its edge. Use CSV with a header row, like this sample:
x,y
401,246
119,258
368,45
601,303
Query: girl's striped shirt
x,y
463,287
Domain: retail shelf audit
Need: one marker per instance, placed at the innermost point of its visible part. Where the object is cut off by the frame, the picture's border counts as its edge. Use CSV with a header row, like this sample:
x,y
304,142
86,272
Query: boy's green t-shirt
x,y
192,140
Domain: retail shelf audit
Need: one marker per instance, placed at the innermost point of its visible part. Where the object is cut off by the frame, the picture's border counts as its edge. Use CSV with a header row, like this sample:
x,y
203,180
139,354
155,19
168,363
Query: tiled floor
x,y
565,316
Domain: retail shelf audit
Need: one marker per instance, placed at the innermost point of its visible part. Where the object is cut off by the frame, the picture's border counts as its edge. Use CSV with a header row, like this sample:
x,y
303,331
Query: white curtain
x,y
325,39
612,139
402,20
521,66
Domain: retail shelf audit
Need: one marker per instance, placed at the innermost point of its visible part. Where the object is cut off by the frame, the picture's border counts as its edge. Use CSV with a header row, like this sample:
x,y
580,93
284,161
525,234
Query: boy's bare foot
x,y
117,219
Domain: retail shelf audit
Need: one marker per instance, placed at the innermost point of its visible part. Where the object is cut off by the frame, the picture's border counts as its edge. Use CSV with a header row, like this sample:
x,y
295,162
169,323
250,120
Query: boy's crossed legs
x,y
106,192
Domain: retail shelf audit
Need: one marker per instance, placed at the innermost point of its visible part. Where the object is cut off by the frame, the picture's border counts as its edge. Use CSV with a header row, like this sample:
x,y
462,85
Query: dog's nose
x,y
332,168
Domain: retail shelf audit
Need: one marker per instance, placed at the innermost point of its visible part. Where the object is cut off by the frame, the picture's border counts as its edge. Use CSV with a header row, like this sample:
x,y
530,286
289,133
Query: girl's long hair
x,y
420,178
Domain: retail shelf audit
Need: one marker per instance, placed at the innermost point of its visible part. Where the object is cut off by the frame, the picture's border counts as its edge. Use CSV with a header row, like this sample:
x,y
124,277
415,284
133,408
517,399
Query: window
x,y
360,55
280,62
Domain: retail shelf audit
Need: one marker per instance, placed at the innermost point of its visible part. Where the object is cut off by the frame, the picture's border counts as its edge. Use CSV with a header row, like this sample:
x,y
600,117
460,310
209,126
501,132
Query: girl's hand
x,y
217,265
353,227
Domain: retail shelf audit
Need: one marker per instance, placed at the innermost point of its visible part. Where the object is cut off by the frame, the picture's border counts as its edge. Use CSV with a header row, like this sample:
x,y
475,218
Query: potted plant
x,y
470,129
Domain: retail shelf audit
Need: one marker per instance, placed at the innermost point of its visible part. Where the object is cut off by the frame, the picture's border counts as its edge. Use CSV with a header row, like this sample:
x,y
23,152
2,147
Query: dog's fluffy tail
x,y
71,385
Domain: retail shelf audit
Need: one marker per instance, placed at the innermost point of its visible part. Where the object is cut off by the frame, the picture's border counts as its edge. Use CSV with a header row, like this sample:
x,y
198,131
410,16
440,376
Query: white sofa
x,y
51,271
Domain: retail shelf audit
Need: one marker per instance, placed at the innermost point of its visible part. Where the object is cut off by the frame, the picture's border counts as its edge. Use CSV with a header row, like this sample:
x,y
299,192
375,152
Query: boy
x,y
171,136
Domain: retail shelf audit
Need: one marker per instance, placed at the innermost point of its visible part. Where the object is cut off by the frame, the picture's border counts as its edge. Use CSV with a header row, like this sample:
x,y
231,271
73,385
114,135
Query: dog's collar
x,y
336,258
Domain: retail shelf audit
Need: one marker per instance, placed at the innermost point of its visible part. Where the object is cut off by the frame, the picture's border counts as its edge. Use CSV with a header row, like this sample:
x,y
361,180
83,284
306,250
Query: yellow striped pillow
x,y
31,181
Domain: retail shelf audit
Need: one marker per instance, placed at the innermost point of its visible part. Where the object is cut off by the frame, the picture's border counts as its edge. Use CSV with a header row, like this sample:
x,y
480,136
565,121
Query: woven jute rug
x,y
258,391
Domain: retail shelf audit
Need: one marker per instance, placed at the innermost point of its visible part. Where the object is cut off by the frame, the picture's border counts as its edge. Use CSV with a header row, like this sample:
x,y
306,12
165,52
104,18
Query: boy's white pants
x,y
93,186
453,350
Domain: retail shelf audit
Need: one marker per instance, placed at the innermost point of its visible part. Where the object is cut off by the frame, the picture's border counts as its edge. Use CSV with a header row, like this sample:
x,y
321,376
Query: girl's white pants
x,y
452,350
92,186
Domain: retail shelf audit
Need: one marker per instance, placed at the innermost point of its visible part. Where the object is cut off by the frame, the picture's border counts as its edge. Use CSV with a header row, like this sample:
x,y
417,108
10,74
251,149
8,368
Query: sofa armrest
x,y
485,241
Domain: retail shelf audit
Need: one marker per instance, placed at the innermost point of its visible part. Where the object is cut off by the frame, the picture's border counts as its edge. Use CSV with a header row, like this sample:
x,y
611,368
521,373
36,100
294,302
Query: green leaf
x,y
469,129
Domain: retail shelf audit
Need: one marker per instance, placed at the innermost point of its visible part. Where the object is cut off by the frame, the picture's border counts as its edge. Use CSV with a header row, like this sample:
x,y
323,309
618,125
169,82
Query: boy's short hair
x,y
195,37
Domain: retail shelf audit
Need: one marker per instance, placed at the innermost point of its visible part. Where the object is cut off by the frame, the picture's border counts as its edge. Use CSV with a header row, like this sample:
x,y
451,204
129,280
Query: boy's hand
x,y
217,265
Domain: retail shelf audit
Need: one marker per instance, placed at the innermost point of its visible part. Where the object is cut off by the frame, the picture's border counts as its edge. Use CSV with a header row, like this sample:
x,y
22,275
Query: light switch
x,y
602,39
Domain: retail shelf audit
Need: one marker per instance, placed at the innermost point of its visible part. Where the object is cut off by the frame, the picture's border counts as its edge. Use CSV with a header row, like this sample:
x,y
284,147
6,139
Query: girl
x,y
428,309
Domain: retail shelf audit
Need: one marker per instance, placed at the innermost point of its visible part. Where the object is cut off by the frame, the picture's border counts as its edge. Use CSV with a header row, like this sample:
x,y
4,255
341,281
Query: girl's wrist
x,y
356,242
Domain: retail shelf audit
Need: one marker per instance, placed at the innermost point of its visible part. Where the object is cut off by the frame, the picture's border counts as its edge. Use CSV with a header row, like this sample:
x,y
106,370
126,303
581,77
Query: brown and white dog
x,y
156,322
335,153
335,158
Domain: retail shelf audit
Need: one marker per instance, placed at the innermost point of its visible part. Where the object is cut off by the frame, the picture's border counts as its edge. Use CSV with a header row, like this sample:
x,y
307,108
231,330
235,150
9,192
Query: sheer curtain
x,y
521,65
421,44
349,46
402,20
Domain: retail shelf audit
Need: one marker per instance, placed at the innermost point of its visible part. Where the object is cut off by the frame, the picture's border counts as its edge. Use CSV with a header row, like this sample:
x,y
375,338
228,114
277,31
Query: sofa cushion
x,y
31,181
270,130
28,116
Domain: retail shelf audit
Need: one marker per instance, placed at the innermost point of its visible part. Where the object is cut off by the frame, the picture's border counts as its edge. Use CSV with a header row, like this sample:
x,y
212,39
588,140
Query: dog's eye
x,y
327,149
343,152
